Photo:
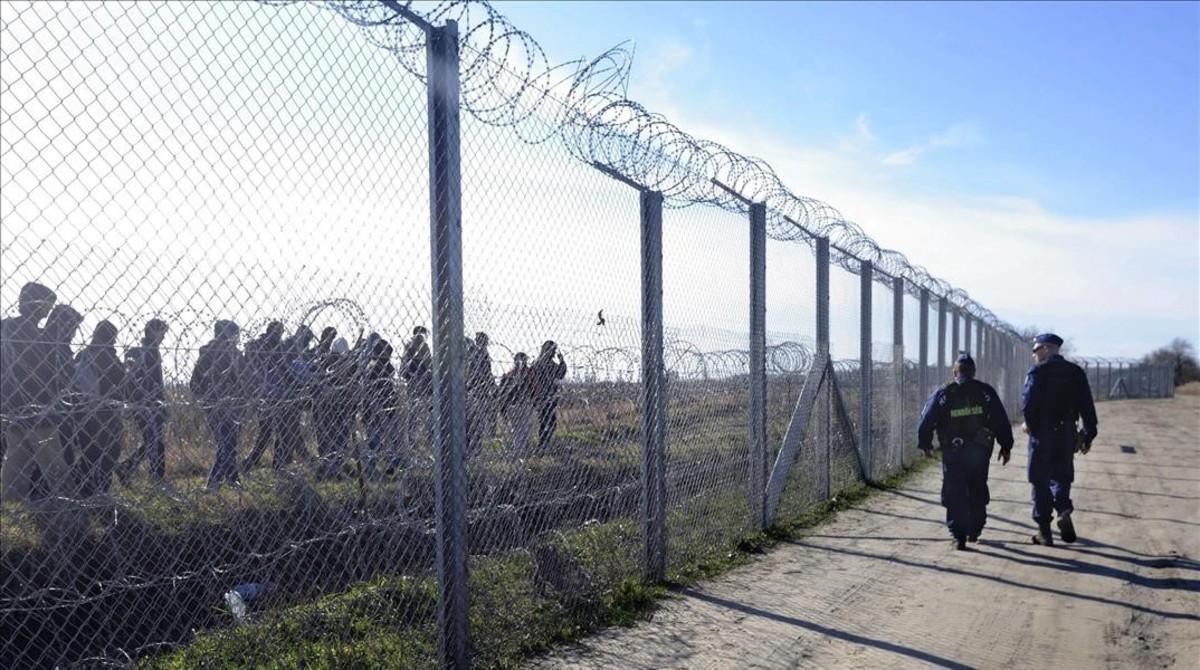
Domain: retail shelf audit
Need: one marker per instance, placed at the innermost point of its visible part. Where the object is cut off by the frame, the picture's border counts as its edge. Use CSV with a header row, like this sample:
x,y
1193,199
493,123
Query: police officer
x,y
968,417
1055,396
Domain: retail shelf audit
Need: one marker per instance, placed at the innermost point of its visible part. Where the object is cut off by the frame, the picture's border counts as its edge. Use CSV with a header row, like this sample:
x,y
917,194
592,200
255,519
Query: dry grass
x,y
1190,388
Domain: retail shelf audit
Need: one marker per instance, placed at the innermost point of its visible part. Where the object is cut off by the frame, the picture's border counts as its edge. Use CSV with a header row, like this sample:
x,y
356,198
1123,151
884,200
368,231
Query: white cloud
x,y
1117,285
958,135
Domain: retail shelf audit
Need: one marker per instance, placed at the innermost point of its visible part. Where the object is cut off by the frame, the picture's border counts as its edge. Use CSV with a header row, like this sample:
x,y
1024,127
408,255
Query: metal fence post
x,y
654,485
923,346
823,356
449,402
941,341
983,345
967,332
865,443
954,341
898,435
758,365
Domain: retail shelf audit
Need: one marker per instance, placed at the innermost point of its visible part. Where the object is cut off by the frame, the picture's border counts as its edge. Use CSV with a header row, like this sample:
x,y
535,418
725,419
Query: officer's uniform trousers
x,y
964,488
1052,469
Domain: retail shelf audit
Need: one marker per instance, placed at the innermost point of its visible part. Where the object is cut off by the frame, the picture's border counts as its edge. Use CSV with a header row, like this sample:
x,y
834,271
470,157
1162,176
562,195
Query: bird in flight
x,y
600,318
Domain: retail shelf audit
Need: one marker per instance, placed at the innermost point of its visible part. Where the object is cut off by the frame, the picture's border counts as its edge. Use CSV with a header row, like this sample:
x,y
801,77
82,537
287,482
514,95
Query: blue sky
x,y
1044,156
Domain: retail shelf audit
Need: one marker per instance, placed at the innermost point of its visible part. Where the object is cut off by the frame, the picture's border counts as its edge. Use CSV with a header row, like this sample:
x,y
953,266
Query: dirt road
x,y
879,587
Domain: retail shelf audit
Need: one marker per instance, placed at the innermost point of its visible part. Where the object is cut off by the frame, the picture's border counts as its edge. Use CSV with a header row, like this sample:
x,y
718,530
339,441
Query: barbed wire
x,y
508,80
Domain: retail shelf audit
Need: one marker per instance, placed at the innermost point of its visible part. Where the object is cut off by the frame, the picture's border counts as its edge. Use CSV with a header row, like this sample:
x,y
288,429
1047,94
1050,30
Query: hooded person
x,y
294,398
25,382
968,418
481,392
98,384
335,401
515,399
265,369
147,397
545,373
45,367
380,407
217,384
17,335
416,370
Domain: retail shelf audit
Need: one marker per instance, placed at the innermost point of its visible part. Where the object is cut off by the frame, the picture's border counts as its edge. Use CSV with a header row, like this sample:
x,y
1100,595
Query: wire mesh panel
x,y
233,200
707,363
885,401
913,394
551,301
844,333
791,346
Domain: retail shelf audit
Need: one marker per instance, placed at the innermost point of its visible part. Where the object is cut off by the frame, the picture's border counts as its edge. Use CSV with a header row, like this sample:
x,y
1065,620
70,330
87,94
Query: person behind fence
x,y
545,373
967,417
296,375
52,474
17,334
98,386
481,393
22,346
265,362
1056,395
416,369
515,398
217,384
334,404
146,396
380,408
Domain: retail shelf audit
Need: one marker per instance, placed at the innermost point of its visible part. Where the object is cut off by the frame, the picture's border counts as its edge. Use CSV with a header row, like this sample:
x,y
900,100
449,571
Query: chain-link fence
x,y
356,333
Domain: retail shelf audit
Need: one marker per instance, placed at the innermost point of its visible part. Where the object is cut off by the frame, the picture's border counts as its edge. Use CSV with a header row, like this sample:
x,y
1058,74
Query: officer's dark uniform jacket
x,y
1056,394
964,415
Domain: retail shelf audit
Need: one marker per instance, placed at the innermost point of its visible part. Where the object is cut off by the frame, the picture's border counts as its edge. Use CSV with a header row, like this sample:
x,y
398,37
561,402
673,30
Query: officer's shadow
x,y
1025,529
1061,560
983,549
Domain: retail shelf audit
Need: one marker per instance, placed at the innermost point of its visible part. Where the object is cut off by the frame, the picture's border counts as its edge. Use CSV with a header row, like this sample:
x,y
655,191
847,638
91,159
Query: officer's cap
x,y
1047,338
964,359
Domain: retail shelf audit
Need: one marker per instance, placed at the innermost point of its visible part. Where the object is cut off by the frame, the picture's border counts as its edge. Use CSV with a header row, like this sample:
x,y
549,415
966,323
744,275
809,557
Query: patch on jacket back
x,y
972,410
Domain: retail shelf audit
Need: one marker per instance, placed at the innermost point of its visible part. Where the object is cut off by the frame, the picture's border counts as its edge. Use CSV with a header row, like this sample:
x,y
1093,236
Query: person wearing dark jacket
x,y
1056,396
48,411
380,405
334,394
416,370
217,385
22,347
147,397
481,393
515,400
297,374
545,373
96,431
967,417
266,363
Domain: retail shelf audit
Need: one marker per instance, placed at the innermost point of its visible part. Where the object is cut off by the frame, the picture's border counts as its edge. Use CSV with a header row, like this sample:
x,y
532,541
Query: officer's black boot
x,y
959,543
1066,528
1044,535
